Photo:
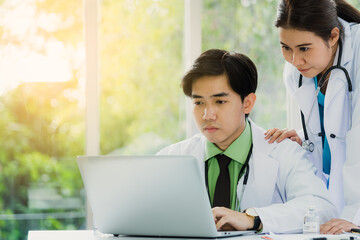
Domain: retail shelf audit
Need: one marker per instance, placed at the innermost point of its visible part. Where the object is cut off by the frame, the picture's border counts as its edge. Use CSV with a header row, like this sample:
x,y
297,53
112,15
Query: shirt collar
x,y
238,150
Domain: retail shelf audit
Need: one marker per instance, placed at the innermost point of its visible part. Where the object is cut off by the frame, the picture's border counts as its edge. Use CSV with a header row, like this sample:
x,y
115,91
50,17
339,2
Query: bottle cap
x,y
311,207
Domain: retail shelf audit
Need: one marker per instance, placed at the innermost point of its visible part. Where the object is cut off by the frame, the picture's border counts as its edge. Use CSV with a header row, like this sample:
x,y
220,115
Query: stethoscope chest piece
x,y
308,146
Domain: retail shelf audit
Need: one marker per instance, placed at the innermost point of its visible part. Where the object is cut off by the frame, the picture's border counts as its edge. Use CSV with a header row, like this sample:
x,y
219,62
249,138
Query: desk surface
x,y
91,235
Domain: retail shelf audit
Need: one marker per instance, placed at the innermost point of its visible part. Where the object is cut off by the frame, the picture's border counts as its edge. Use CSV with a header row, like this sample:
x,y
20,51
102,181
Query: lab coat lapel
x,y
260,189
336,98
306,96
335,89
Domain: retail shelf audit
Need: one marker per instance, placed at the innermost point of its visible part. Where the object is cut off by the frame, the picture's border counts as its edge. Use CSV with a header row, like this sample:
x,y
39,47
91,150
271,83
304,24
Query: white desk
x,y
91,235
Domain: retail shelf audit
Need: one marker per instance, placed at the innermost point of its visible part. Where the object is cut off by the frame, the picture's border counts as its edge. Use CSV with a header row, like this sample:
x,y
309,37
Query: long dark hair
x,y
317,16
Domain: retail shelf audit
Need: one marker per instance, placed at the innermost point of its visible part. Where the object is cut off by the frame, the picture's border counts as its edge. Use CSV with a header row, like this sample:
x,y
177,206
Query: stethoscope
x,y
307,144
245,168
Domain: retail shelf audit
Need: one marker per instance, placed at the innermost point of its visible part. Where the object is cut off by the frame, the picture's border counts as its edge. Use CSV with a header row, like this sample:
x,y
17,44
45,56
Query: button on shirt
x,y
237,151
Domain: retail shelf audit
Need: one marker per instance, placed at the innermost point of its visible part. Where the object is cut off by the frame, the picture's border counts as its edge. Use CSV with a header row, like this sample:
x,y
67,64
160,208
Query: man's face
x,y
218,110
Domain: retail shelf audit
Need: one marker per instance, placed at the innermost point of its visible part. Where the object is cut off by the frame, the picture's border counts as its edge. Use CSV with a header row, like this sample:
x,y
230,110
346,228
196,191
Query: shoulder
x,y
351,29
270,148
355,38
293,159
287,153
185,147
355,31
352,34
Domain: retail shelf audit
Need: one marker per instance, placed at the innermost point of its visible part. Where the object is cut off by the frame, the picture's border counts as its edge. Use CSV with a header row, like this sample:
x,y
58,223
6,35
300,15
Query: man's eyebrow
x,y
222,94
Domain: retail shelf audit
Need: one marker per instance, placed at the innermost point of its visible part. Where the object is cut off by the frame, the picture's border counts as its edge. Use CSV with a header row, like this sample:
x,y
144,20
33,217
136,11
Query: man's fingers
x,y
224,224
218,212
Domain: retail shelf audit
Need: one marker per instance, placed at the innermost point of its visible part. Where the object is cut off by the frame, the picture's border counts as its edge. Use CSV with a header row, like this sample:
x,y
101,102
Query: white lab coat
x,y
344,174
281,183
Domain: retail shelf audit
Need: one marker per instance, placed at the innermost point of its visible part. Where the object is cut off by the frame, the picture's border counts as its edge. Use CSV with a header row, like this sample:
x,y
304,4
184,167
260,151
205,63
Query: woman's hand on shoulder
x,y
278,135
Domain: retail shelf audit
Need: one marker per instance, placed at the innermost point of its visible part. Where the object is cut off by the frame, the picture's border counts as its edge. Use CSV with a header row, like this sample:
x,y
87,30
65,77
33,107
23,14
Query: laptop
x,y
162,196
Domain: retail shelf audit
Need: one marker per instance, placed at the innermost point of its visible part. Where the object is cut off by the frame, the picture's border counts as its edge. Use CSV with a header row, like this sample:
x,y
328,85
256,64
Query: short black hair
x,y
239,69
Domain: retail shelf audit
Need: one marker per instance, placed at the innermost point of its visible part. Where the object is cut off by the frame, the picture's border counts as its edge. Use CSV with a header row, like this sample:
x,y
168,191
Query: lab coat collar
x,y
263,172
337,80
347,54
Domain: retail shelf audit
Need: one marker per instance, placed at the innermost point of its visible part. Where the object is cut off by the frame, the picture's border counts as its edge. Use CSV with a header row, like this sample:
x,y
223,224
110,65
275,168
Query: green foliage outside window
x,y
41,119
141,67
42,124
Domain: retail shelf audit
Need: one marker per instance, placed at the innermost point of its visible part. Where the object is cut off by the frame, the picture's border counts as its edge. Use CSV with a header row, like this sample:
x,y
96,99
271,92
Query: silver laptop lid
x,y
148,195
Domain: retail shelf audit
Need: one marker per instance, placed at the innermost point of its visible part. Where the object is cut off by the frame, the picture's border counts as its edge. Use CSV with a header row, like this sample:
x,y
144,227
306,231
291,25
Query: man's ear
x,y
249,102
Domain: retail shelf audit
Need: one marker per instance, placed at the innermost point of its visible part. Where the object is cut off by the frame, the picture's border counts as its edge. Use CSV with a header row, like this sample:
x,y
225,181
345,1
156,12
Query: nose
x,y
297,59
209,114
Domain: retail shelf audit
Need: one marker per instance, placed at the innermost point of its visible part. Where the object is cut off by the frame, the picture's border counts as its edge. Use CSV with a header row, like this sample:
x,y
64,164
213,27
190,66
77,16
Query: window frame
x,y
192,49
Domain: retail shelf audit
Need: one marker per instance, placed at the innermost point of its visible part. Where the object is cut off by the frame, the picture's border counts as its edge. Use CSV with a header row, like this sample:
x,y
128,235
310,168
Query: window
x,y
247,27
141,60
42,116
141,104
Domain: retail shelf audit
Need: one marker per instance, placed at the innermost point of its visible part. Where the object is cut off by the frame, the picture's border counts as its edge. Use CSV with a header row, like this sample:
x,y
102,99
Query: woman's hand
x,y
278,135
336,226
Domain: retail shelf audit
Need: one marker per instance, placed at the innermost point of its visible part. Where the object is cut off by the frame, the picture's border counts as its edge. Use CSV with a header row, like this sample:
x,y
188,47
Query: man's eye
x,y
304,49
197,103
220,101
286,48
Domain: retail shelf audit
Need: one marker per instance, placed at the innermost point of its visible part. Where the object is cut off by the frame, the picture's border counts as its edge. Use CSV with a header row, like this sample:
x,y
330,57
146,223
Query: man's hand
x,y
336,226
278,135
229,220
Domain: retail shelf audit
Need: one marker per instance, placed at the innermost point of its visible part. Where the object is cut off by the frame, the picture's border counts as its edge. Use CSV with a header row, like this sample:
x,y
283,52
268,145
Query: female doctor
x,y
320,41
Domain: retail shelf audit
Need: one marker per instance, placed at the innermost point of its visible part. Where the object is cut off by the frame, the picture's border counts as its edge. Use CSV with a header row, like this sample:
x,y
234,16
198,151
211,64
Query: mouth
x,y
210,129
303,70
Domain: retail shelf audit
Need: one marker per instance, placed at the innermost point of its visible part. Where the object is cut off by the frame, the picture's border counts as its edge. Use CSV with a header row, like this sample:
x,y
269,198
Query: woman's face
x,y
309,53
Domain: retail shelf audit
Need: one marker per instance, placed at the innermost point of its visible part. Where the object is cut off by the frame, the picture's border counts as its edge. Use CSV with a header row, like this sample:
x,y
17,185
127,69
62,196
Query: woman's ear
x,y
249,102
334,36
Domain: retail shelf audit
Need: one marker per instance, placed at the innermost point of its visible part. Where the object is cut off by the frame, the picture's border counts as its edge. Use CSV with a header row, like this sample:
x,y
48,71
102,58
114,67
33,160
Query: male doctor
x,y
251,184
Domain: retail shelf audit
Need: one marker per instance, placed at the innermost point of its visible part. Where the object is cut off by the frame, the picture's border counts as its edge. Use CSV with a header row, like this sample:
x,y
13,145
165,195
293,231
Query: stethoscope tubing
x,y
309,145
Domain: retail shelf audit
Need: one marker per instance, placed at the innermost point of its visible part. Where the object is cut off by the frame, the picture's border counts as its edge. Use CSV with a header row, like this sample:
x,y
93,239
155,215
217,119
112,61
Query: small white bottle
x,y
311,222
